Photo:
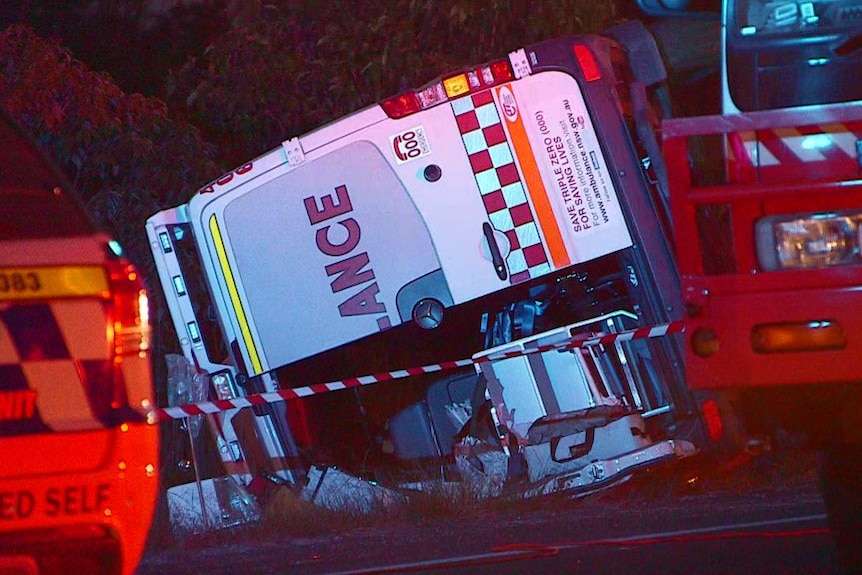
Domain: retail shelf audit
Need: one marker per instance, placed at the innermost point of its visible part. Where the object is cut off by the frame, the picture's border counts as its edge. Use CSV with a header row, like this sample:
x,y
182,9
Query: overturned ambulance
x,y
511,214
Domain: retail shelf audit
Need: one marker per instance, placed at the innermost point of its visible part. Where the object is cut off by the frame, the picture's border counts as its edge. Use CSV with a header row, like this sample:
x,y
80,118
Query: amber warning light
x,y
450,87
798,336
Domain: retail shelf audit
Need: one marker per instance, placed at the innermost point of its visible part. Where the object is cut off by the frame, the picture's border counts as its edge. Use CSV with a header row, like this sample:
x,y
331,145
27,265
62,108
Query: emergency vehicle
x,y
503,207
769,255
766,208
78,472
797,59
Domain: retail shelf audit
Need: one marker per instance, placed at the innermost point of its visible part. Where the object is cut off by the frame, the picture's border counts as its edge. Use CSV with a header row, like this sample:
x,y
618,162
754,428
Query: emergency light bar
x,y
441,91
475,80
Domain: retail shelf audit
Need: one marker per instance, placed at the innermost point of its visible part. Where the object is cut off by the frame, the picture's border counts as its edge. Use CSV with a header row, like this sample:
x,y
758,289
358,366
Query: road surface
x,y
770,527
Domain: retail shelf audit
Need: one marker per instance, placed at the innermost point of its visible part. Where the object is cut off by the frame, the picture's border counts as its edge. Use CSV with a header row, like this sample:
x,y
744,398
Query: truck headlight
x,y
808,240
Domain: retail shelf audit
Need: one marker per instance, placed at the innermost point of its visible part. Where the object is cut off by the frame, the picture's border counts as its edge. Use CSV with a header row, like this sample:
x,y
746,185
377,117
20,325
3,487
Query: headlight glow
x,y
808,240
222,383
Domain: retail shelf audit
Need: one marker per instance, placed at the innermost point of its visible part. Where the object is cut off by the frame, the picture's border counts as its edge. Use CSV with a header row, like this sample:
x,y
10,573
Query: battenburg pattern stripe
x,y
47,352
500,184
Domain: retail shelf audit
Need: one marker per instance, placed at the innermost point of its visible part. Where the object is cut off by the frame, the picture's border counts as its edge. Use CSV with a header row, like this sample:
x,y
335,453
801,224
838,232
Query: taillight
x,y
453,86
111,382
587,62
129,314
401,105
502,71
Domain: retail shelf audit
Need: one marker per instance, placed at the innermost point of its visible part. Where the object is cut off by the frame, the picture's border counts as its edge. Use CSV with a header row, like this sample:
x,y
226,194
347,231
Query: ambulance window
x,y
193,276
34,203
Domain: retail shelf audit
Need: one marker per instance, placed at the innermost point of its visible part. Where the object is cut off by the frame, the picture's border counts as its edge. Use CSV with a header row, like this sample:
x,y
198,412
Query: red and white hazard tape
x,y
604,339
221,405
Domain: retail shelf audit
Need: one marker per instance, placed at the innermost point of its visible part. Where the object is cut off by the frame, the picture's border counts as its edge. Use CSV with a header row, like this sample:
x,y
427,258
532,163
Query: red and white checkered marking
x,y
56,368
210,407
500,184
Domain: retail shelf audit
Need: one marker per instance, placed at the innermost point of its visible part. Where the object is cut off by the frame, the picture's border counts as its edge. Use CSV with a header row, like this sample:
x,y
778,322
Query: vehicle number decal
x,y
52,281
410,144
19,282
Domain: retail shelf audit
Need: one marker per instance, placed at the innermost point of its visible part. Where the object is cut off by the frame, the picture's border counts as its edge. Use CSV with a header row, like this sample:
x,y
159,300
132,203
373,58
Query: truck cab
x,y
786,54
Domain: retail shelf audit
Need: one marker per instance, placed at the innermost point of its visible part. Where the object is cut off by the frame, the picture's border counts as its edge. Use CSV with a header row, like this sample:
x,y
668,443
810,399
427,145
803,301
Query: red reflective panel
x,y
401,105
502,72
587,62
712,418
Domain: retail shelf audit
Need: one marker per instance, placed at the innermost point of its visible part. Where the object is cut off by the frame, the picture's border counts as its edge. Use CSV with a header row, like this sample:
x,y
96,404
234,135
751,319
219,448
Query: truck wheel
x,y
840,470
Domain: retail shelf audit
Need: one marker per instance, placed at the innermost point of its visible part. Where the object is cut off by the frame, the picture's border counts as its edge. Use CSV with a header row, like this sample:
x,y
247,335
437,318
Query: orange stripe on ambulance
x,y
532,177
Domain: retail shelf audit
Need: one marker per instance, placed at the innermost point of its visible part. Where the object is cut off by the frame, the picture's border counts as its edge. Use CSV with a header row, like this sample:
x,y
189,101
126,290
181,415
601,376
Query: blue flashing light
x,y
194,332
115,247
165,241
179,285
816,142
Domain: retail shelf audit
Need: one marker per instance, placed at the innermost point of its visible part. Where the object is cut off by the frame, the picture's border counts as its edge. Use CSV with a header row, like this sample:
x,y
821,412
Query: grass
x,y
286,514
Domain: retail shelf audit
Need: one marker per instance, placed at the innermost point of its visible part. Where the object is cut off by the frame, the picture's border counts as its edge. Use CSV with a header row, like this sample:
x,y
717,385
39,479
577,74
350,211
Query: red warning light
x,y
587,62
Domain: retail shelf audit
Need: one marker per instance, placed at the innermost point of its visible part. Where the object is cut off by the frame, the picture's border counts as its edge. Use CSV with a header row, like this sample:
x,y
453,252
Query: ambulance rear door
x,y
313,257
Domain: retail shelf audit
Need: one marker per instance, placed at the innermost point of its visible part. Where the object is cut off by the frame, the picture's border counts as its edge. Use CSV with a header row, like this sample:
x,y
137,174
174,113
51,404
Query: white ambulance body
x,y
515,172
354,216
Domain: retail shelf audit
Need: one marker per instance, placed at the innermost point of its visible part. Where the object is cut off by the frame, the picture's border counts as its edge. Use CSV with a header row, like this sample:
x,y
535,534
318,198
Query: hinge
x,y
520,65
293,152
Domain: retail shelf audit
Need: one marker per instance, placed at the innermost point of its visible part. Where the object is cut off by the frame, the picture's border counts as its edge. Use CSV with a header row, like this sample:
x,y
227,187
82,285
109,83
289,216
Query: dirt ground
x,y
300,539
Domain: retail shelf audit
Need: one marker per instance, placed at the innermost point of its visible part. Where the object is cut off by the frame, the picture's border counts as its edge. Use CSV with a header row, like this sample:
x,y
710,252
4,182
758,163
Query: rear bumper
x,y
602,473
93,517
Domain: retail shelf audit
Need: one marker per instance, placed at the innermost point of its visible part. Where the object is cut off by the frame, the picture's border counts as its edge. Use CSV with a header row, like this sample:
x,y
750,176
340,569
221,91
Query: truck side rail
x,y
764,120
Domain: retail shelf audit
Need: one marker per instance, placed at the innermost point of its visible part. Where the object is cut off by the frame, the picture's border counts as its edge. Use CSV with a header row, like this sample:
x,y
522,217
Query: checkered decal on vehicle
x,y
502,190
56,371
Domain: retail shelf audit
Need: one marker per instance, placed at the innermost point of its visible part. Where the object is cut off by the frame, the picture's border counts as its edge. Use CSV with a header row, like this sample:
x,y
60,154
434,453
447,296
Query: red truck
x,y
768,239
768,245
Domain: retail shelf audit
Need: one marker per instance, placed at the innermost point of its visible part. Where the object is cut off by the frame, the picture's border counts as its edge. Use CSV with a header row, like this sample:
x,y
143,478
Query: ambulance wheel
x,y
428,313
